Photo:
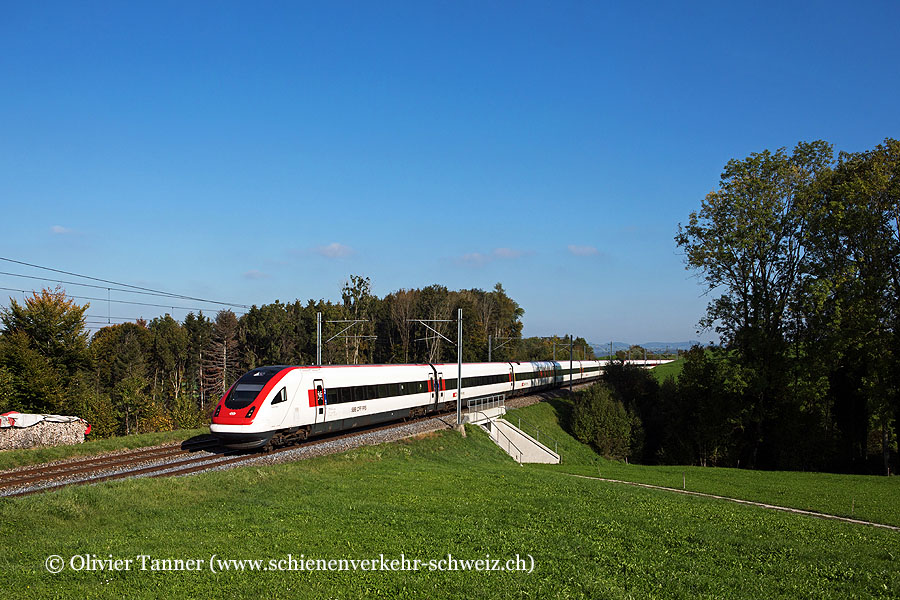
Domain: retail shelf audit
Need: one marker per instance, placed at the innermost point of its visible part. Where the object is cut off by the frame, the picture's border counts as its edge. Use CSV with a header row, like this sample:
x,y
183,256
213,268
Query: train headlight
x,y
250,412
218,408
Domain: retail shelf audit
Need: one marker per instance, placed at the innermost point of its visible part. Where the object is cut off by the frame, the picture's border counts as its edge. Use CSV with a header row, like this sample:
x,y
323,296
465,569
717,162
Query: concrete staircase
x,y
518,444
486,412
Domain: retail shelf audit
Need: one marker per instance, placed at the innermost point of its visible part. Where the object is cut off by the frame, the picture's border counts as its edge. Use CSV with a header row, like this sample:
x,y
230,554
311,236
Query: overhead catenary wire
x,y
88,285
104,317
114,301
105,320
126,285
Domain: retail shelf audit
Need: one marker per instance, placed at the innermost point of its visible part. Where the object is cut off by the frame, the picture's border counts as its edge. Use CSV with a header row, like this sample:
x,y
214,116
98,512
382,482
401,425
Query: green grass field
x,y
10,459
672,369
871,498
425,498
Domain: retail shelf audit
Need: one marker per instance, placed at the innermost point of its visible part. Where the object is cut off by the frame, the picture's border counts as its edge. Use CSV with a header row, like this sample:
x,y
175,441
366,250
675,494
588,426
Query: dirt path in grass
x,y
751,503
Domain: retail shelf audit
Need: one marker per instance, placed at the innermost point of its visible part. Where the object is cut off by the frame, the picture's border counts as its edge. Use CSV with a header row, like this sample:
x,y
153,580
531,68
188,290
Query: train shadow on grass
x,y
204,441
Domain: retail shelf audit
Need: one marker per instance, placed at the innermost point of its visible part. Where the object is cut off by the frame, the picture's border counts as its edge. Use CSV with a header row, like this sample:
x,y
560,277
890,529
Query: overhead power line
x,y
88,285
114,301
103,319
126,285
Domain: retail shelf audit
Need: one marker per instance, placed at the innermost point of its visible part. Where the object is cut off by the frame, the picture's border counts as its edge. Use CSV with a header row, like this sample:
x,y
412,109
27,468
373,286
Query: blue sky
x,y
254,151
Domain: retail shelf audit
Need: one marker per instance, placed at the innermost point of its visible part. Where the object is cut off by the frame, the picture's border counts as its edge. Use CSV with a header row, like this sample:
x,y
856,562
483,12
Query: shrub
x,y
602,421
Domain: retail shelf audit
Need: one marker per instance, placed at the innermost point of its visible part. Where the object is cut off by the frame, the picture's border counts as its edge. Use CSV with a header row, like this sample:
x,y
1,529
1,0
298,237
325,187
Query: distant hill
x,y
654,346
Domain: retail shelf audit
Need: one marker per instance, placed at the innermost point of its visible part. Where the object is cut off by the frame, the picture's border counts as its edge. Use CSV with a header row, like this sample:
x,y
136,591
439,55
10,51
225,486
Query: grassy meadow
x,y
425,498
672,369
871,498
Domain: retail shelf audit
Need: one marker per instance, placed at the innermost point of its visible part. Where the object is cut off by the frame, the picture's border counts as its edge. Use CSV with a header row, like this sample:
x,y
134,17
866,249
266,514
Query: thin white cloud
x,y
254,274
334,250
474,259
583,250
60,230
507,253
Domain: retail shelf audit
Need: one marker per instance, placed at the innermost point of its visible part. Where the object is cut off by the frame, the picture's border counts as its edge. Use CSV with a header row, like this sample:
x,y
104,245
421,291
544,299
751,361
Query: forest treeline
x,y
163,374
800,253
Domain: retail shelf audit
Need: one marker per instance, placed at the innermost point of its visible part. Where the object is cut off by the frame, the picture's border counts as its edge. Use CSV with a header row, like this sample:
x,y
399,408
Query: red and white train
x,y
275,405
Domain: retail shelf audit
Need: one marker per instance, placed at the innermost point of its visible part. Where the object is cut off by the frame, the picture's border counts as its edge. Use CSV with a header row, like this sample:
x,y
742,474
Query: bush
x,y
186,414
153,417
602,421
100,413
6,390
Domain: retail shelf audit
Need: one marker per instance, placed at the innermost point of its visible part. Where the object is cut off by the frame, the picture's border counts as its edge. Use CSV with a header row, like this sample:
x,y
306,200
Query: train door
x,y
321,405
512,379
433,387
440,387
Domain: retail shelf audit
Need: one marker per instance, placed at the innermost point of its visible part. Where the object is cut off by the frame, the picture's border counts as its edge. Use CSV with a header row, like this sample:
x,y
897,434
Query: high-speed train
x,y
276,405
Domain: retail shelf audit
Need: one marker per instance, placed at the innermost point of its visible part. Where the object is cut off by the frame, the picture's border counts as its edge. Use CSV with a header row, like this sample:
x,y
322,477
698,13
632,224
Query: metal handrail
x,y
509,441
486,402
538,434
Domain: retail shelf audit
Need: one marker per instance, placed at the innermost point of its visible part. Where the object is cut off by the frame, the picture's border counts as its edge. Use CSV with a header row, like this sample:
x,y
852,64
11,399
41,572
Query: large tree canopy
x,y
802,256
43,349
746,240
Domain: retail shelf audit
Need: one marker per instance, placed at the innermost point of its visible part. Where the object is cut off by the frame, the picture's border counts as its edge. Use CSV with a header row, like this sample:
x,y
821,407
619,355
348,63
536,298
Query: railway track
x,y
26,482
93,469
22,476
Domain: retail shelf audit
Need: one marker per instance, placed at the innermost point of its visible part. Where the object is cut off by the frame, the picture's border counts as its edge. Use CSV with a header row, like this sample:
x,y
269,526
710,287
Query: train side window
x,y
280,397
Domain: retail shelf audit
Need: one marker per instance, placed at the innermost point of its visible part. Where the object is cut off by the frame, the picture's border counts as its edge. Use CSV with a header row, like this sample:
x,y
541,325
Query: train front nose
x,y
235,422
243,418
236,428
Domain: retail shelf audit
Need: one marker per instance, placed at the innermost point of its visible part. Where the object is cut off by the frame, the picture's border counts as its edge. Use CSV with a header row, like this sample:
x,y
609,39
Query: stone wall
x,y
42,434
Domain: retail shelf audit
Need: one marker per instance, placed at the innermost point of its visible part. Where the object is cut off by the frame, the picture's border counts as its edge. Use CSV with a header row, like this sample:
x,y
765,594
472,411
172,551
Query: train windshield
x,y
249,386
